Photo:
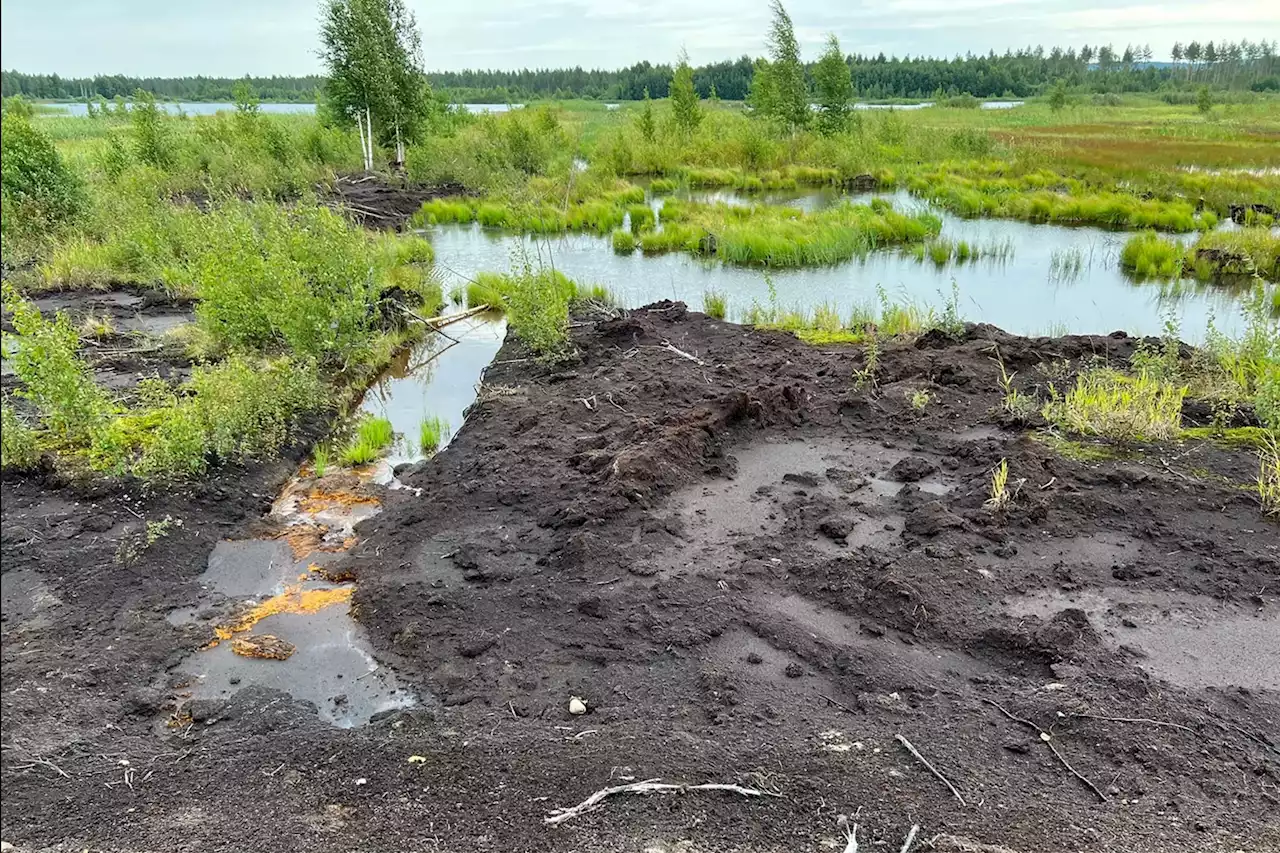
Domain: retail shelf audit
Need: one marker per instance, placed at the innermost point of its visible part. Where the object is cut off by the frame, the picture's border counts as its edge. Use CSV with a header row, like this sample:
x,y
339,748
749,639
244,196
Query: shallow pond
x,y
1055,279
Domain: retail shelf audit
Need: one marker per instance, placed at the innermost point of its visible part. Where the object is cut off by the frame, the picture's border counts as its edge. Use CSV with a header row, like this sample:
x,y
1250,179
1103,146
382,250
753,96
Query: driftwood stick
x,y
916,753
1048,741
669,347
649,786
1142,720
910,839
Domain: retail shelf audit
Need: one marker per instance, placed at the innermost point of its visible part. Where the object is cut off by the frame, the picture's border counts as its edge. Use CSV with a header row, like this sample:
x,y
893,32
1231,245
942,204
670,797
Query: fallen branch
x,y
850,835
916,753
667,345
1048,741
839,705
1142,720
649,786
910,839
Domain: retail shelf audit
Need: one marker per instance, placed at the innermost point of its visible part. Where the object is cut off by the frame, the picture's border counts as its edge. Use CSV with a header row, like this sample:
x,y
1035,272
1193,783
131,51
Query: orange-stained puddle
x,y
294,599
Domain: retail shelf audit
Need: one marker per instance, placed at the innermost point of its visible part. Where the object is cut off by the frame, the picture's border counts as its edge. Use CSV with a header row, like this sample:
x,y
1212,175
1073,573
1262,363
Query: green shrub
x,y
39,189
152,137
303,278
239,410
70,405
19,449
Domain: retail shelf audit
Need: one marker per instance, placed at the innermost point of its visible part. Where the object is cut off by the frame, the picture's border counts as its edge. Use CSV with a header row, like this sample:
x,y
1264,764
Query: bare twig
x,y
839,705
667,345
589,402
916,753
649,786
910,839
850,834
1142,720
1048,741
609,581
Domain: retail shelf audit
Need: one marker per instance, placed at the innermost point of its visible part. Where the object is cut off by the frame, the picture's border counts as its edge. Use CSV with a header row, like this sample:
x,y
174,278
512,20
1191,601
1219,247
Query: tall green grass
x,y
372,437
433,431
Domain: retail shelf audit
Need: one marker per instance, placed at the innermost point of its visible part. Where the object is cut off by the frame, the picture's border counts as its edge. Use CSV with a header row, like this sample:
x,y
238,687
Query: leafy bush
x,y
39,189
239,410
304,279
71,406
152,139
18,447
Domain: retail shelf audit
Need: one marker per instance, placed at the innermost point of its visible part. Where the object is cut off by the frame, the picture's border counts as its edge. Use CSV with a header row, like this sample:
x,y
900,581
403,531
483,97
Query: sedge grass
x,y
432,432
715,304
1112,405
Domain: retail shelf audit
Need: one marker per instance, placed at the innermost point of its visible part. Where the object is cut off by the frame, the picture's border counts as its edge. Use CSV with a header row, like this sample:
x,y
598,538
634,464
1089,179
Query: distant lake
x,y
986,105
204,109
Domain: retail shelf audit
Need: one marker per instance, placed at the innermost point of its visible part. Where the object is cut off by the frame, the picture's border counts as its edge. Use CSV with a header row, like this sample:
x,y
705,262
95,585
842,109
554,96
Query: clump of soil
x,y
385,203
747,571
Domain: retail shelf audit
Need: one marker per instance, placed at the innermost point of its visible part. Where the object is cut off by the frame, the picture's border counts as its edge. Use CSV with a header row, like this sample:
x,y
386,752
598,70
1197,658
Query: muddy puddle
x,y
435,378
276,614
1053,280
1188,640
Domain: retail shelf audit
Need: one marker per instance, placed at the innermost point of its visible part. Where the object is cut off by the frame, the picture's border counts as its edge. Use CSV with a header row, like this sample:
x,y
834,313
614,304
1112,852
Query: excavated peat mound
x,y
747,569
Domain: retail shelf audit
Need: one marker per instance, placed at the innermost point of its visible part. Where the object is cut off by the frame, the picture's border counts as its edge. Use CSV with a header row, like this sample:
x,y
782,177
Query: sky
x,y
230,38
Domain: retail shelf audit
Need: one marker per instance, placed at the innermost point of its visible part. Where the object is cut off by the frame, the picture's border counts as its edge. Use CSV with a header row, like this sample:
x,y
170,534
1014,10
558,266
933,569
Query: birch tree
x,y
373,55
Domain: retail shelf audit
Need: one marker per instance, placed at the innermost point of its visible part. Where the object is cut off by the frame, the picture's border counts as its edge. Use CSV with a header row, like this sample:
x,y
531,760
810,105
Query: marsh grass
x,y
372,437
1148,255
1106,403
1066,265
433,432
1268,481
715,304
624,242
320,460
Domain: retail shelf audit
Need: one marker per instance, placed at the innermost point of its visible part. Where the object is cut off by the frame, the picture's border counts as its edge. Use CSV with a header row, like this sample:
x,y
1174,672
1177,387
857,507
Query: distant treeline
x,y
1020,73
210,89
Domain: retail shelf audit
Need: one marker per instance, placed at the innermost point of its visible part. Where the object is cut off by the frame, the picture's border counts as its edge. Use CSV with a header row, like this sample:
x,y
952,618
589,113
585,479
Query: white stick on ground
x,y
648,786
667,345
911,838
911,749
850,834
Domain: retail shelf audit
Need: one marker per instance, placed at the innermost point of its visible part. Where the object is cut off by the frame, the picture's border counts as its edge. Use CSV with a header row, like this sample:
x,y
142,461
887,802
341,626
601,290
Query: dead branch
x,y
916,753
850,835
1142,720
839,705
669,347
649,786
910,839
1048,741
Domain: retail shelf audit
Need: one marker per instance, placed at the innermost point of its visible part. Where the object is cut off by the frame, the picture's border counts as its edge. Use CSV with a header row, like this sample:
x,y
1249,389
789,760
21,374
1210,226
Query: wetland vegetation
x,y
313,304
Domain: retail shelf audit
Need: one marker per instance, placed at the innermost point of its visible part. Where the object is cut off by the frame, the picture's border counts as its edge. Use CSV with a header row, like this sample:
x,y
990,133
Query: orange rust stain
x,y
306,539
319,500
265,646
293,600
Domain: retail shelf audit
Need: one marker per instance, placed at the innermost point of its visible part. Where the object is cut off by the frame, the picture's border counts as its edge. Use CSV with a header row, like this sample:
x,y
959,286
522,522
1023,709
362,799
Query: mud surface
x,y
747,569
378,202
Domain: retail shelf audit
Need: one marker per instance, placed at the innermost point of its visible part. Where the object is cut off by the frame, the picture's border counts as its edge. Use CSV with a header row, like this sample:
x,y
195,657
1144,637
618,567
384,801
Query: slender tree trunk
x,y
368,120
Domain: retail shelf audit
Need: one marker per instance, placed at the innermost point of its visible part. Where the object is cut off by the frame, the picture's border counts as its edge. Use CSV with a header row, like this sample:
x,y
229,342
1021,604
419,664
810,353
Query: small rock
x,y
835,527
1018,746
940,552
576,706
98,523
476,645
1007,550
754,658
930,519
794,670
593,607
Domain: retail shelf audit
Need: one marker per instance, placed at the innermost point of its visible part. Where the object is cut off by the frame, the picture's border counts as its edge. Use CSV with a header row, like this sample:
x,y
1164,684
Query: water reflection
x,y
1058,279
